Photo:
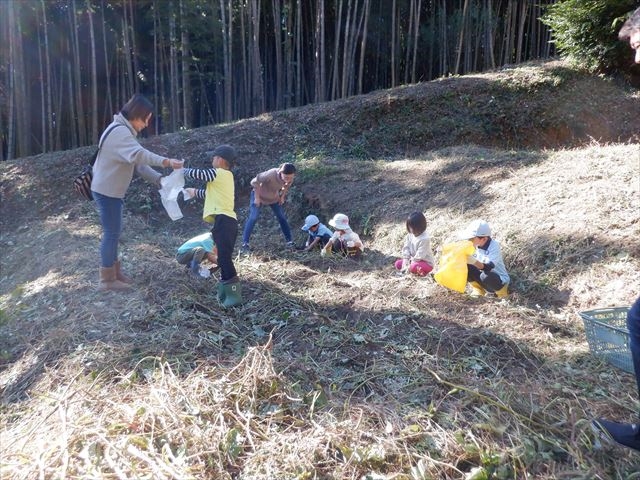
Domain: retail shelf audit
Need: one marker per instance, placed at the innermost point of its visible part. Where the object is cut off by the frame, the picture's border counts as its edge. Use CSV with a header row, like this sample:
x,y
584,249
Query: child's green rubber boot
x,y
232,293
220,292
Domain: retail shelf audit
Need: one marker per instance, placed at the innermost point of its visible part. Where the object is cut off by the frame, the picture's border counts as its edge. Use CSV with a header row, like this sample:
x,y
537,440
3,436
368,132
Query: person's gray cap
x,y
225,151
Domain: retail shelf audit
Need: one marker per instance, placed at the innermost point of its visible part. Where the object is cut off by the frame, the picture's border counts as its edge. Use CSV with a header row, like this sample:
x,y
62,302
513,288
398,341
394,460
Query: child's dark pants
x,y
225,232
491,281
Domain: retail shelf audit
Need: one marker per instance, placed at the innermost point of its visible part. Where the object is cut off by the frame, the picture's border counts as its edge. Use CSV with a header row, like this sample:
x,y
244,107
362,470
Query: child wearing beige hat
x,y
344,240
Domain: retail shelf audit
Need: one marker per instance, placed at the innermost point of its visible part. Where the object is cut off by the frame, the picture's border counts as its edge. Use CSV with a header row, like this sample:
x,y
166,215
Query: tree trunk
x,y
465,8
73,111
416,36
174,82
23,99
258,87
107,65
133,55
336,52
319,54
277,47
288,55
156,47
393,44
5,59
431,29
444,53
48,118
298,50
128,70
11,143
43,108
346,57
58,108
507,53
94,77
521,29
363,45
407,51
489,32
244,107
77,74
226,59
165,113
187,109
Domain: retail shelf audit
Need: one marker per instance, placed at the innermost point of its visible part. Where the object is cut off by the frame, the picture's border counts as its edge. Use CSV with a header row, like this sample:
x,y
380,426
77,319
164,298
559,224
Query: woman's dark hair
x,y
288,168
631,25
416,223
137,108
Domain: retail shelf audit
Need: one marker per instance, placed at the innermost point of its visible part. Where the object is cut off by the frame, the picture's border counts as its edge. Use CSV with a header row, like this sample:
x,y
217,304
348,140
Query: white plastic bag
x,y
172,185
186,195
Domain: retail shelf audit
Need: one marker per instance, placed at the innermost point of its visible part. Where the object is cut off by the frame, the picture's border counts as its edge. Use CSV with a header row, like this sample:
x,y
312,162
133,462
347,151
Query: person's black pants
x,y
224,233
491,281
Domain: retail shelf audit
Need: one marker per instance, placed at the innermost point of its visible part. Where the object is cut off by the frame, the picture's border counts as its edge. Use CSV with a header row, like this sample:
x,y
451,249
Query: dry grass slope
x,y
337,369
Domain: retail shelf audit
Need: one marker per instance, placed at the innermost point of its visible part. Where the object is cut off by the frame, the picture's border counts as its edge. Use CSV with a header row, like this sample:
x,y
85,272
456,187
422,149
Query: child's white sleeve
x,y
406,248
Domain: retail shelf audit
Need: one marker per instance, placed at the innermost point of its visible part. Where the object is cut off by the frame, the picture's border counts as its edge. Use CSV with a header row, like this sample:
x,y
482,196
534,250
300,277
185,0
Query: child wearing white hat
x,y
486,271
344,240
319,234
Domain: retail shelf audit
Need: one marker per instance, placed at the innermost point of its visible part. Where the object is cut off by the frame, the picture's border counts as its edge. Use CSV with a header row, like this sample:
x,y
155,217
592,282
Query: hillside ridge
x,y
537,105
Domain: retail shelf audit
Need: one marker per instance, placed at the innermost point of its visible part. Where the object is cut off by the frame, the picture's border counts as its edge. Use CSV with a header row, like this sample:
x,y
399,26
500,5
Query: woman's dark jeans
x,y
111,219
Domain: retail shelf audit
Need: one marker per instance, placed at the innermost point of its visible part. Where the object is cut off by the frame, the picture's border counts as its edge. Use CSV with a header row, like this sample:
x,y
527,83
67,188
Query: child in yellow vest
x,y
218,209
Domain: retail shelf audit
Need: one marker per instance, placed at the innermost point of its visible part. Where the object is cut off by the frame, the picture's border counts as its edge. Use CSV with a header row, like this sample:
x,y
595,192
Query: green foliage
x,y
587,32
232,444
312,166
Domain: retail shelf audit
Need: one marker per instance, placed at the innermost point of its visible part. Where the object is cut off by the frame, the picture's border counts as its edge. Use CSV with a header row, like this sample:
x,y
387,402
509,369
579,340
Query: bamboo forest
x,y
67,66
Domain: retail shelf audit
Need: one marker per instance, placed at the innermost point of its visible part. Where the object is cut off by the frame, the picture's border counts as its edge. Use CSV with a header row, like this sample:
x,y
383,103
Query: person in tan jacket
x,y
270,188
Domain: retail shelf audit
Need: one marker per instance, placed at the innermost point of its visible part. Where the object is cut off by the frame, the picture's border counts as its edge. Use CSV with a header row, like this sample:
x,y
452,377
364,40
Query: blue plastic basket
x,y
607,335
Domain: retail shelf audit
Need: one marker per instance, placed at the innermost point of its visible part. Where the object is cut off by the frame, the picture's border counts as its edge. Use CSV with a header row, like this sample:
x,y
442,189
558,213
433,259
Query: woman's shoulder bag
x,y
82,183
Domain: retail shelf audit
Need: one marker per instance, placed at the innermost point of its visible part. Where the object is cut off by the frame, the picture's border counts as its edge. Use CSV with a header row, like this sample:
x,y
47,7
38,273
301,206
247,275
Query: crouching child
x,y
486,271
195,250
344,240
318,233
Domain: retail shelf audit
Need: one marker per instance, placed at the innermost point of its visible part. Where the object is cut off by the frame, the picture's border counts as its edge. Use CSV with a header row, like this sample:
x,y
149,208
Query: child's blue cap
x,y
309,222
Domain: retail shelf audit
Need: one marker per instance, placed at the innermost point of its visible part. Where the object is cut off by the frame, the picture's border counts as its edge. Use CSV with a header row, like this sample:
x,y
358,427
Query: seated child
x,y
344,240
486,271
417,256
192,252
319,234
